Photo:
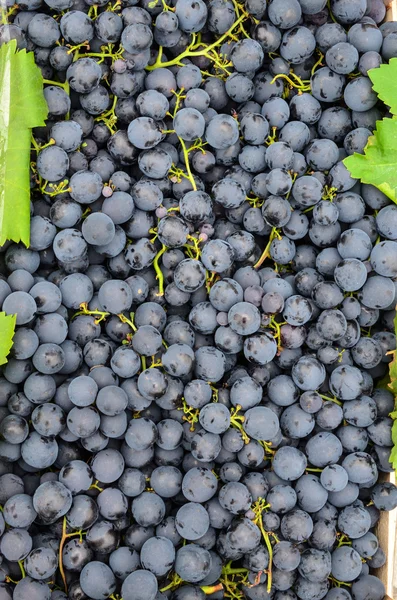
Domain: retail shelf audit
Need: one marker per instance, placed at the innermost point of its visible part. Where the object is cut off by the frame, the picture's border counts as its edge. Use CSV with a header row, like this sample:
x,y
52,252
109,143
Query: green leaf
x,y
393,453
378,164
393,367
384,382
393,415
7,329
384,83
22,107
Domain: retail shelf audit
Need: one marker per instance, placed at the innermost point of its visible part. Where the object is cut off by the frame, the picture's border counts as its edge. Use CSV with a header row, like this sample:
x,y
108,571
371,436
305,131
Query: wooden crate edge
x,y
386,533
391,10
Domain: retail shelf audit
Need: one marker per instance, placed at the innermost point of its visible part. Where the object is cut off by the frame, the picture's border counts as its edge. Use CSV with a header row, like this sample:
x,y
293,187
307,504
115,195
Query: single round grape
x,y
192,563
41,563
97,580
289,463
142,584
15,544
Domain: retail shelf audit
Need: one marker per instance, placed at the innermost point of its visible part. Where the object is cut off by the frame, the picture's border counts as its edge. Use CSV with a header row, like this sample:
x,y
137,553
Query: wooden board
x,y
391,12
387,527
386,534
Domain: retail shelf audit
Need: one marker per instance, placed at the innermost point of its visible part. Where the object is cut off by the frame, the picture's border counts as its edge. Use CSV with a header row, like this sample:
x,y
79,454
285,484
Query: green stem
x,y
187,164
265,254
190,52
21,566
159,273
328,398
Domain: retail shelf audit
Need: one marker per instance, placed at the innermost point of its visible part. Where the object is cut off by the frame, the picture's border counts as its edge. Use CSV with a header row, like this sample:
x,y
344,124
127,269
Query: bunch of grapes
x,y
195,402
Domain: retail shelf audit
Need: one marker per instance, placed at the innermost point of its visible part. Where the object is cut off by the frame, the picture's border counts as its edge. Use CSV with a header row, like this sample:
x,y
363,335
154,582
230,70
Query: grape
x,y
39,388
112,504
49,358
142,583
52,500
148,509
382,257
76,555
296,423
296,525
38,451
43,30
21,304
83,513
289,463
354,243
248,539
225,293
356,140
97,579
348,14
327,86
385,292
76,476
368,584
26,343
323,449
342,58
123,561
166,481
384,496
359,96
205,446
85,186
371,37
30,588
310,493
222,132
367,545
157,555
82,391
210,364
346,564
98,229
215,418
286,16
261,423
192,521
16,544
315,565
111,400
334,478
192,563
19,511
41,563
65,213
199,484
108,465
48,420
369,60
12,485
81,72
286,557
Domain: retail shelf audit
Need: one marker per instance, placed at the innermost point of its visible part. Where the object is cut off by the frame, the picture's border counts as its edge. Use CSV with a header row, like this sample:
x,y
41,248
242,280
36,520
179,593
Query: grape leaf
x,y
393,453
393,387
384,83
22,107
384,383
393,366
7,329
378,164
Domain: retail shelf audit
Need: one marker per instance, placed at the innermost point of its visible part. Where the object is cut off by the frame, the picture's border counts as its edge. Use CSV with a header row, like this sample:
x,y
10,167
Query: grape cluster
x,y
195,403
